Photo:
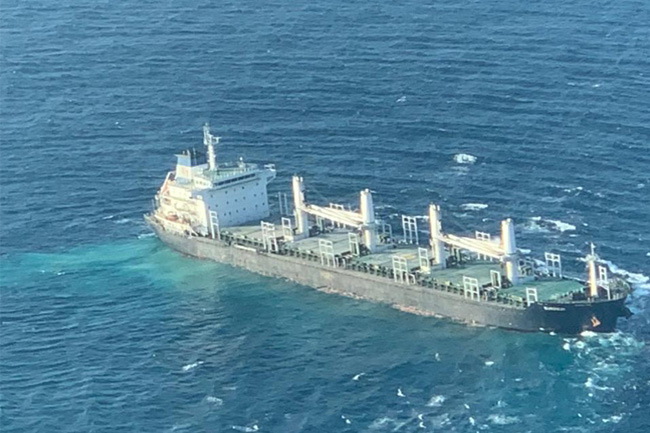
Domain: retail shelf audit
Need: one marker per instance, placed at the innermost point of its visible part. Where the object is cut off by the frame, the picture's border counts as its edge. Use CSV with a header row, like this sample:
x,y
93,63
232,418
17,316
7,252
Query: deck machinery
x,y
221,212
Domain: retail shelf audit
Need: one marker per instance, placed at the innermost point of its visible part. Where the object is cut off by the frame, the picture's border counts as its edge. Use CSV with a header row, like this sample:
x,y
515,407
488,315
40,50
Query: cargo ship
x,y
220,211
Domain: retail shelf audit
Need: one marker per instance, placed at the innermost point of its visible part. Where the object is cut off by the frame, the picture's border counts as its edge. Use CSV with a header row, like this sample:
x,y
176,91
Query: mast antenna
x,y
210,140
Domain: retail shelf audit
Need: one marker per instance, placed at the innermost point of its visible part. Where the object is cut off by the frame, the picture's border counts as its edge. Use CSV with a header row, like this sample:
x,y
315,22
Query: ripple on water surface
x,y
486,109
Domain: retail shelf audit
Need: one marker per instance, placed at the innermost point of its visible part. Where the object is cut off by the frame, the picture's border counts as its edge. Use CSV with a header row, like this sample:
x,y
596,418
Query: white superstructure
x,y
201,193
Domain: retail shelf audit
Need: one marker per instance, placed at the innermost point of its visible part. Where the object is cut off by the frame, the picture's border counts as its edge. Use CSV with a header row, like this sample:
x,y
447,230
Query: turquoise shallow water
x,y
105,329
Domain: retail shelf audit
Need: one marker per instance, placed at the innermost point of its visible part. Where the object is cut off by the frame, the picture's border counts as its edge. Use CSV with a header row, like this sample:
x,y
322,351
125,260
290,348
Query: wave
x,y
473,206
538,224
464,158
381,422
192,366
571,190
499,419
555,224
436,401
214,400
613,419
441,420
561,226
246,429
589,383
532,226
637,279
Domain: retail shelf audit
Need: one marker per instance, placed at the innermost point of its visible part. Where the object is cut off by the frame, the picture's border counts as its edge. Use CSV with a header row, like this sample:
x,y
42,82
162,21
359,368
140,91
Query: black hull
x,y
565,318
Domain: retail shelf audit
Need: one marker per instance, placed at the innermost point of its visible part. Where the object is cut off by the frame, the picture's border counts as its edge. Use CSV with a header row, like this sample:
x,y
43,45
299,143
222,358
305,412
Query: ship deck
x,y
548,289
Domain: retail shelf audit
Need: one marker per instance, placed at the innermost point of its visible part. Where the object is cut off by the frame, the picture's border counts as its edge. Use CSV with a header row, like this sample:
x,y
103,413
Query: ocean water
x,y
537,110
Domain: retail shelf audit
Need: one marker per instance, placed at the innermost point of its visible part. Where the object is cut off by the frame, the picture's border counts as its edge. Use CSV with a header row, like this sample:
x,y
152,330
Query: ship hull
x,y
568,318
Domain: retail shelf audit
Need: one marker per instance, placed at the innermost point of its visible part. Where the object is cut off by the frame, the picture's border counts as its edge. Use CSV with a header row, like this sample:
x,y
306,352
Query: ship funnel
x,y
210,140
435,229
509,246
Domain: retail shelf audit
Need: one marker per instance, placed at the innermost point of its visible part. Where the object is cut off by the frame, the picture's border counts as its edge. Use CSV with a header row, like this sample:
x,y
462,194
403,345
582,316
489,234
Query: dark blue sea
x,y
537,110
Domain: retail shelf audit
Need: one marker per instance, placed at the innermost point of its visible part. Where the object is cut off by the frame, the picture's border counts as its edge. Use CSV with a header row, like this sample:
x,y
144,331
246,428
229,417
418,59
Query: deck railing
x,y
428,282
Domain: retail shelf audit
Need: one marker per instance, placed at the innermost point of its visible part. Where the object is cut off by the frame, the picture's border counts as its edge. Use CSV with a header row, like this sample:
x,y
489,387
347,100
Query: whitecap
x,y
561,226
108,217
489,363
532,226
538,225
464,158
436,401
473,206
191,366
588,334
500,419
400,393
214,400
472,421
246,429
358,376
613,419
402,99
123,221
146,235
